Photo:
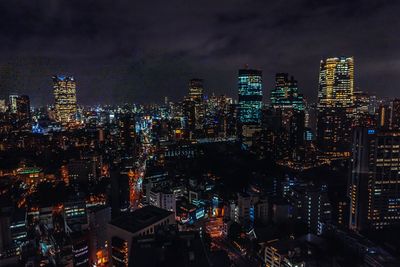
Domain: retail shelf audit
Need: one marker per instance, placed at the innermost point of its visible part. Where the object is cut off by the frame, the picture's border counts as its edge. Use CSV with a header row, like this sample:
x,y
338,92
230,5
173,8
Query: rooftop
x,y
29,170
282,246
140,218
169,247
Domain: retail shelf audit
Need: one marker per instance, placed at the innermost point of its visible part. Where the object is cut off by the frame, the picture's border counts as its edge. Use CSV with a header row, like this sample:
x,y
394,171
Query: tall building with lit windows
x,y
361,115
336,82
395,118
23,108
335,103
13,103
3,106
250,96
194,105
289,105
127,132
373,187
384,112
20,109
65,98
196,90
286,95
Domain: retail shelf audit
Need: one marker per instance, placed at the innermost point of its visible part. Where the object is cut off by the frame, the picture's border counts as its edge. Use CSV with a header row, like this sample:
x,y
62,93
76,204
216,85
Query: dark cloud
x,y
140,51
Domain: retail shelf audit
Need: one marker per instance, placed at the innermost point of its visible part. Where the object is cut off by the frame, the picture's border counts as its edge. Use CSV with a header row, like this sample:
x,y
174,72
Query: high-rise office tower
x,y
336,82
3,106
216,117
374,179
119,191
373,105
296,129
13,103
250,96
197,106
189,114
285,95
310,205
384,112
75,213
361,116
395,118
80,248
289,104
98,218
335,103
23,108
196,90
127,132
65,98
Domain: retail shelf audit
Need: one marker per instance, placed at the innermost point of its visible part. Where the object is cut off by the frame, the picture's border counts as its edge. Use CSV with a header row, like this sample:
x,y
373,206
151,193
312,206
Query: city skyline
x,y
207,133
140,58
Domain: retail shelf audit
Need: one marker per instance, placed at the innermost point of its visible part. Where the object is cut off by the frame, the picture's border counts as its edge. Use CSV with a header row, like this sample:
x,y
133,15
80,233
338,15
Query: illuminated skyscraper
x,y
189,113
127,132
384,112
19,107
23,109
374,179
373,105
3,106
250,96
195,109
13,103
65,98
196,90
336,82
395,118
285,94
361,116
289,105
335,104
217,117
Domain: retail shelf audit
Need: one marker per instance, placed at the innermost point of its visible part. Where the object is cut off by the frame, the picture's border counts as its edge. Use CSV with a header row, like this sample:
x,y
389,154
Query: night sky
x,y
141,51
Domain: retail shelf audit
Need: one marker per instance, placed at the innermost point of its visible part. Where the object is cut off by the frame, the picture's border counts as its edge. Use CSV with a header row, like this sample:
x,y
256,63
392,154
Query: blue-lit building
x,y
250,96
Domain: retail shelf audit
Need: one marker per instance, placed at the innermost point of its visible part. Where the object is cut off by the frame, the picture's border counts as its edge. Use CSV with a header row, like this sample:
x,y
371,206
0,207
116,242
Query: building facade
x,y
122,231
23,108
13,103
285,94
64,89
335,103
194,107
163,198
374,179
250,96
336,82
